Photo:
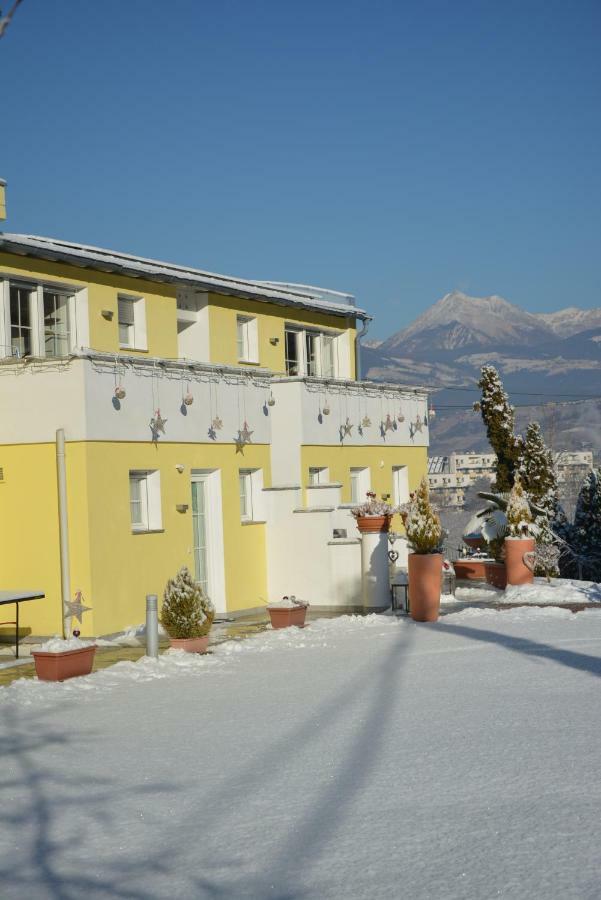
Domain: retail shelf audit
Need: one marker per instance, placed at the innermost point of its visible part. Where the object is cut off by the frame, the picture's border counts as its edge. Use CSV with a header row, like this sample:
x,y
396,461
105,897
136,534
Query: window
x,y
246,333
318,475
310,352
360,484
400,484
292,339
132,323
57,332
22,315
145,500
250,483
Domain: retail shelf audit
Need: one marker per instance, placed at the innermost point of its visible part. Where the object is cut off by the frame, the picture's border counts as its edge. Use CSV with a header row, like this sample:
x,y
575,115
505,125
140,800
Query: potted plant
x,y
519,543
187,614
373,515
59,659
425,535
289,611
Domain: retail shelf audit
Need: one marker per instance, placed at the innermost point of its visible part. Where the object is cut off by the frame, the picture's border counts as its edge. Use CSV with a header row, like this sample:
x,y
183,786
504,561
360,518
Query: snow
x,y
360,757
559,591
60,645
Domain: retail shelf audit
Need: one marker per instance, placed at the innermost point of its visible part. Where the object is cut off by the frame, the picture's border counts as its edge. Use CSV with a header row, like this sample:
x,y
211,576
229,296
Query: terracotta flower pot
x,y
425,584
517,570
286,616
190,645
373,524
60,666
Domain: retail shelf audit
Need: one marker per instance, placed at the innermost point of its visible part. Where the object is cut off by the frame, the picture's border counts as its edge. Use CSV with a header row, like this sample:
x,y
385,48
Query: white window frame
x,y
400,484
360,477
214,534
323,339
247,342
250,490
318,475
38,328
149,481
139,339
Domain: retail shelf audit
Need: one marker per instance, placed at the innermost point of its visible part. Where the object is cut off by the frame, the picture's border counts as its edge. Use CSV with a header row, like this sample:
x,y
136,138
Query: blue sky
x,y
397,150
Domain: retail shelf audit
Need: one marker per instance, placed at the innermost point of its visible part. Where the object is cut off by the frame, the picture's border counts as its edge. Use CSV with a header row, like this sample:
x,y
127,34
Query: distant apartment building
x,y
450,476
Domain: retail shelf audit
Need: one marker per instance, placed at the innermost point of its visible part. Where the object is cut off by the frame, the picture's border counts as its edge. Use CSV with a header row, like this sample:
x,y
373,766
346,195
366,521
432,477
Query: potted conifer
x,y
187,614
425,535
519,543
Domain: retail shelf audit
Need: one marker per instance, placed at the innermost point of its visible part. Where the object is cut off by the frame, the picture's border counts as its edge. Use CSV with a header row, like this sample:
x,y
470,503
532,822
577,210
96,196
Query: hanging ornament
x,y
271,400
419,424
216,424
188,397
120,392
388,423
240,443
400,417
119,389
347,428
157,425
246,433
76,608
365,422
432,412
476,406
326,410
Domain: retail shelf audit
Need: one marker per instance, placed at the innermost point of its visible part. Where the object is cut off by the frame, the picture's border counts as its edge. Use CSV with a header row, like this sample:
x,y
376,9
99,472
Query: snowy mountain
x,y
542,357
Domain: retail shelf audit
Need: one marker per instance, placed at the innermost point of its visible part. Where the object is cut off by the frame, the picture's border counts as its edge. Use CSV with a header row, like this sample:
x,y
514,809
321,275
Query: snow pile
x,y
561,591
60,645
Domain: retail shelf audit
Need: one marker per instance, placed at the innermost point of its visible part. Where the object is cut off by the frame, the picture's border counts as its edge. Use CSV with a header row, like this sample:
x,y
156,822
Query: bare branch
x,y
6,20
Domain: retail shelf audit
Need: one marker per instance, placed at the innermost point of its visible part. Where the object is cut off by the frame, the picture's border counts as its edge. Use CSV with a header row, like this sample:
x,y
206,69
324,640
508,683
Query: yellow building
x,y
208,421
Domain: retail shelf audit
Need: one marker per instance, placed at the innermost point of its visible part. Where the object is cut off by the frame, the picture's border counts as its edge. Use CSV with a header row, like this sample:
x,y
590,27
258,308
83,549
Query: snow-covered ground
x,y
358,758
558,592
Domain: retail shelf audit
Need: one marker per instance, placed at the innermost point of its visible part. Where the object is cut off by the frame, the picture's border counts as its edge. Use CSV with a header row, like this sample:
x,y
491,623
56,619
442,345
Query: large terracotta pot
x,y
517,570
60,666
425,584
285,616
481,570
372,524
191,645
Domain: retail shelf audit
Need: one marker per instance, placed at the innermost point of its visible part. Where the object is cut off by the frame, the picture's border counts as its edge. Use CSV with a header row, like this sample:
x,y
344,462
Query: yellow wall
x,y
103,289
380,461
271,320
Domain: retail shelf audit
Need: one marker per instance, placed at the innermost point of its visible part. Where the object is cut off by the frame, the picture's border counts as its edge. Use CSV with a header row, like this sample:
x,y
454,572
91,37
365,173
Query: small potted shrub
x,y
289,611
59,659
425,535
519,543
373,515
187,614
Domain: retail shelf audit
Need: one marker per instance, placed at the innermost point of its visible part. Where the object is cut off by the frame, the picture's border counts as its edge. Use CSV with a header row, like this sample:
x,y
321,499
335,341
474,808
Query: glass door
x,y
199,524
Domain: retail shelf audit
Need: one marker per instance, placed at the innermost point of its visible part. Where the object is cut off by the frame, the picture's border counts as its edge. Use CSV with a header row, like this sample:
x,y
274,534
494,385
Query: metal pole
x,y
63,525
152,626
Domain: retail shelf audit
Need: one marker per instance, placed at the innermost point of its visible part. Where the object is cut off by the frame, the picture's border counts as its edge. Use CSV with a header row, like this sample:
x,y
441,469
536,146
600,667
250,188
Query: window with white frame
x,y
22,319
310,352
250,482
360,484
37,319
145,500
247,341
318,475
400,484
132,323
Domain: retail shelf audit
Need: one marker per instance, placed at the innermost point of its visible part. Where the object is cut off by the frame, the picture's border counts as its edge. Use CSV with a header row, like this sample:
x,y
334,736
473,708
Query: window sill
x,y
253,522
133,349
249,362
148,531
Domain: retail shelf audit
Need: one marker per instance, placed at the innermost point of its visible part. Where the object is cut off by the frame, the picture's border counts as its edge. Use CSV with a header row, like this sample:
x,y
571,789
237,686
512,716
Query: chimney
x,y
2,199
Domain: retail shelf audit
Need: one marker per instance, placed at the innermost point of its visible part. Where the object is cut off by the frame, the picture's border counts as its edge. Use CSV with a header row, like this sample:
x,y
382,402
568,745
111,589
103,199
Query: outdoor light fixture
x,y
180,467
274,340
107,314
181,507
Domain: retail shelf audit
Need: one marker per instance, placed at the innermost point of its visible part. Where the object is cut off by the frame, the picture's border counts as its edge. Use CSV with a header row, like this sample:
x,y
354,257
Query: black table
x,y
17,597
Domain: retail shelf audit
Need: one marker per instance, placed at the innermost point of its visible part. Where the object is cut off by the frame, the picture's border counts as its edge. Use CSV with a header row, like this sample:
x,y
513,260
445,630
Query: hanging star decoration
x,y
347,428
240,443
418,424
411,430
76,608
157,425
212,433
388,423
365,422
217,424
246,433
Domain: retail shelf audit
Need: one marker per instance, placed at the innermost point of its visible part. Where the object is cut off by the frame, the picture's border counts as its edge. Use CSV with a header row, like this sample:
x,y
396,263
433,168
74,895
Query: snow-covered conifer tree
x,y
498,416
536,470
424,531
519,518
186,611
586,532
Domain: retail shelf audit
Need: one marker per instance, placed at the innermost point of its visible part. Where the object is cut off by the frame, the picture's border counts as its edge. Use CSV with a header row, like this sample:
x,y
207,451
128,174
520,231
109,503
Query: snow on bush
x,y
186,612
519,518
424,531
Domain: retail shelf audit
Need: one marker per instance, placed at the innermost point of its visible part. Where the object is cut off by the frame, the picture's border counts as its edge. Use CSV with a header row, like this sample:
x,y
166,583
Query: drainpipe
x,y
63,525
360,334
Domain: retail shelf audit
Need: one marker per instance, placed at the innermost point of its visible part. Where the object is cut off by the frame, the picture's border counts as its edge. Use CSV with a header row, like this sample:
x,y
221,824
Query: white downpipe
x,y
63,524
358,337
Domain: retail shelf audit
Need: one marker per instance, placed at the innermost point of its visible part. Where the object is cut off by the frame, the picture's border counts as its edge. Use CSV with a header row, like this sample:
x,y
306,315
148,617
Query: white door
x,y
199,525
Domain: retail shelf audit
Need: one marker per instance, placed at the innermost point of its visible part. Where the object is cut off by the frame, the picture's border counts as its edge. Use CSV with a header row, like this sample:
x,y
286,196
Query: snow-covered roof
x,y
319,299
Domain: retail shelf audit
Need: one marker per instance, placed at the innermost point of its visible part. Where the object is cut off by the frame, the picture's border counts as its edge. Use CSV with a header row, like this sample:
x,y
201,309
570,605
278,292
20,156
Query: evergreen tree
x,y
498,416
536,470
186,611
424,531
519,518
586,531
